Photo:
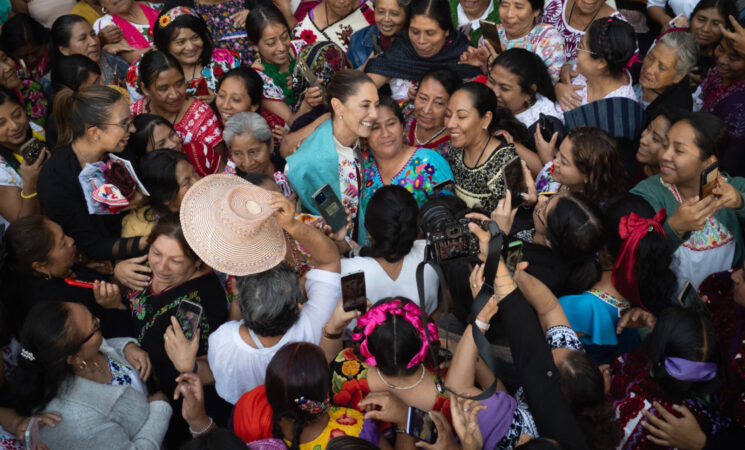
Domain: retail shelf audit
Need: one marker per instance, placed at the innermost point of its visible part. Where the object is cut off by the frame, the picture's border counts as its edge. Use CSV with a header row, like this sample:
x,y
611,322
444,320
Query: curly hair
x,y
596,155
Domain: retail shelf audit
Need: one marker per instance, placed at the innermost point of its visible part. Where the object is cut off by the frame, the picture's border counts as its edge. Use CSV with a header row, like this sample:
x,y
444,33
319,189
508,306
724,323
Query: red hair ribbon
x,y
631,230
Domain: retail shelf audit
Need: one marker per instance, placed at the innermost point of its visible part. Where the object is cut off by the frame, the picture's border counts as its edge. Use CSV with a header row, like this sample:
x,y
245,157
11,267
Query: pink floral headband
x,y
377,315
173,13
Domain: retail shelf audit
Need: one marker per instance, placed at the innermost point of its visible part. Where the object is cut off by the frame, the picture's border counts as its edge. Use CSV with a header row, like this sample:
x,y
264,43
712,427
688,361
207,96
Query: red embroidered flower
x,y
481,79
345,419
217,71
308,36
336,433
349,354
353,397
345,34
342,398
132,77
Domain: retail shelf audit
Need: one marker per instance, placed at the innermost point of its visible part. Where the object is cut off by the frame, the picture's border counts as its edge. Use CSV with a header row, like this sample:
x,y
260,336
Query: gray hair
x,y
249,123
269,300
684,45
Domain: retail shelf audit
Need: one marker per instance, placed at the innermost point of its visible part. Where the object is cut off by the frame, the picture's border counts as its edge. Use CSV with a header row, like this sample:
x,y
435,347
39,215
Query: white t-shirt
x,y
239,367
678,6
379,285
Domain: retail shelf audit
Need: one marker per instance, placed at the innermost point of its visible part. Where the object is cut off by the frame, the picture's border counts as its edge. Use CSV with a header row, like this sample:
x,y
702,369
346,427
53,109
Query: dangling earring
x,y
47,276
83,365
104,10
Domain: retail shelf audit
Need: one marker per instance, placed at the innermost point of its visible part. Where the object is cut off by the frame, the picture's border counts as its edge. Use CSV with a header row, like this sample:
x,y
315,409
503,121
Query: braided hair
x,y
613,40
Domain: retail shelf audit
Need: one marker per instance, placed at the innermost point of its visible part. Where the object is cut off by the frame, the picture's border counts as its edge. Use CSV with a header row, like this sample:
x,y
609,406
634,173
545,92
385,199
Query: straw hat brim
x,y
209,238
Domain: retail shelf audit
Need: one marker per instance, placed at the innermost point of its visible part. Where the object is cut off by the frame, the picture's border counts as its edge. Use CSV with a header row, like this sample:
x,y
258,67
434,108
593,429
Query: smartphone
x,y
79,283
31,149
514,178
491,34
688,297
443,186
353,292
32,434
420,425
306,72
330,207
514,255
547,127
709,180
188,315
679,21
200,84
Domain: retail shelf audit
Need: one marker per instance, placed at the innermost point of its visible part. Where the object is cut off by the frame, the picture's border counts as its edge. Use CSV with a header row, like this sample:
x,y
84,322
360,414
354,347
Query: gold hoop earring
x,y
104,10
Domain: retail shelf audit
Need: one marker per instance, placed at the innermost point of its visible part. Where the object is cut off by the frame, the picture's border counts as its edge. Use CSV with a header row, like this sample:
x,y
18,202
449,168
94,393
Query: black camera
x,y
448,235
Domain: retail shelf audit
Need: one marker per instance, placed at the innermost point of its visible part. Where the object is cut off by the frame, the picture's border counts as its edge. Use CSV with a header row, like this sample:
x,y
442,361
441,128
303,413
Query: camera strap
x,y
486,292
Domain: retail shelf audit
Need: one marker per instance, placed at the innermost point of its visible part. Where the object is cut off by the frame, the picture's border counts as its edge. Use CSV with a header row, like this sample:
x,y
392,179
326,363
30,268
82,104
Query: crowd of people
x,y
353,224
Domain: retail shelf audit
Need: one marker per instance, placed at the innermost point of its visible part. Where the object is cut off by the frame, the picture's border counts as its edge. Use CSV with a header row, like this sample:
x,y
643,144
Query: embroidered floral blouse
x,y
275,82
222,61
224,33
199,124
544,40
338,32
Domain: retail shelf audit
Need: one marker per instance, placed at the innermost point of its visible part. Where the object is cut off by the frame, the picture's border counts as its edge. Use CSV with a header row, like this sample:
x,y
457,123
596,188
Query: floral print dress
x,y
338,32
544,40
224,33
222,61
33,98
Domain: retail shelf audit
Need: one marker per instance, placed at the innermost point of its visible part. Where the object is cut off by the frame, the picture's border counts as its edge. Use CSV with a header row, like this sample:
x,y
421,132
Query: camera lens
x,y
320,198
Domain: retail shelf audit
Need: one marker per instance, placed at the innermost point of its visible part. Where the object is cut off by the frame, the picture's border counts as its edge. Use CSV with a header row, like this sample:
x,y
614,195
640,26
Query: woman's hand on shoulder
x,y
567,96
466,422
239,18
111,34
384,406
132,273
668,430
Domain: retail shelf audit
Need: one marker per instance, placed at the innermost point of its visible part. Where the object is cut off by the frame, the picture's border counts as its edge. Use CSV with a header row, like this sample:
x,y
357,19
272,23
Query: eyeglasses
x,y
124,126
96,329
581,47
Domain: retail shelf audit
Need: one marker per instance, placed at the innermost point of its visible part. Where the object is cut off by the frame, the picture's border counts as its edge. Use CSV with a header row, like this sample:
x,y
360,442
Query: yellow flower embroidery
x,y
164,20
350,368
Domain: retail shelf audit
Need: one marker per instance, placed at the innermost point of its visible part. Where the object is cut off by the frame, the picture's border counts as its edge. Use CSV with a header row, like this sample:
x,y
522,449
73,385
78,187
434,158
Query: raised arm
x,y
546,305
324,253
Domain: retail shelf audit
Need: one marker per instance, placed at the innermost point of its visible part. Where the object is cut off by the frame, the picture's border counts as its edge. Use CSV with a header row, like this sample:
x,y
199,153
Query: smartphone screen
x,y
421,426
709,180
330,207
354,292
188,315
514,255
31,150
514,178
547,127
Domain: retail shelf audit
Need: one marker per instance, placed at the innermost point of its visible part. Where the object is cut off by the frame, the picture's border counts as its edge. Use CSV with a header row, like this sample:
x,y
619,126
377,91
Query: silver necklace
x,y
420,143
399,388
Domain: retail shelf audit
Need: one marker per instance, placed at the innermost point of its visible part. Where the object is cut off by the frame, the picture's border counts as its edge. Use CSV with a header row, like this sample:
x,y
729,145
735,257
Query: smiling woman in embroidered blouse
x,y
164,85
704,233
135,19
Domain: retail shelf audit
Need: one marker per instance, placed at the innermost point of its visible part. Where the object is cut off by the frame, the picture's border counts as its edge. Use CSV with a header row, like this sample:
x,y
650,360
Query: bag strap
x,y
487,290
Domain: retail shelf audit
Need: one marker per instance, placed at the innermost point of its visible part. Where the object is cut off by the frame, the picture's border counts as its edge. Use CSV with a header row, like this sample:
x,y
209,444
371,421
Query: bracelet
x,y
483,326
333,337
25,196
203,430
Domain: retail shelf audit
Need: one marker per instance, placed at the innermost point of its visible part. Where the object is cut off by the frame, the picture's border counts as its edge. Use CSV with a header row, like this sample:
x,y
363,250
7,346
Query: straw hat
x,y
228,223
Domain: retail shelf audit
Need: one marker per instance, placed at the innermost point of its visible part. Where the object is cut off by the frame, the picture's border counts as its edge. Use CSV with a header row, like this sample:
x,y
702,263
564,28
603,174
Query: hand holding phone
x,y
330,207
79,283
31,149
547,127
491,34
514,179
354,292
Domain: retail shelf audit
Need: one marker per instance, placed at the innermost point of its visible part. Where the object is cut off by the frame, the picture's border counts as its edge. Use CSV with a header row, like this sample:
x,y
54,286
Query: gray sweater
x,y
100,416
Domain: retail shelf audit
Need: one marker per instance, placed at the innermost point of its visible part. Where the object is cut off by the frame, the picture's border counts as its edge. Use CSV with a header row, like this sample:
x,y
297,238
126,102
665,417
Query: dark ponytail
x,y
391,220
657,283
575,234
47,335
614,41
583,386
75,112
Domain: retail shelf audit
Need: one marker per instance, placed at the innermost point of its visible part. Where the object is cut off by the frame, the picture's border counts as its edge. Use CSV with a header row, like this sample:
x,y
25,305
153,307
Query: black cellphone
x,y
330,207
441,187
188,315
547,127
514,178
31,149
420,425
491,34
709,180
354,292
